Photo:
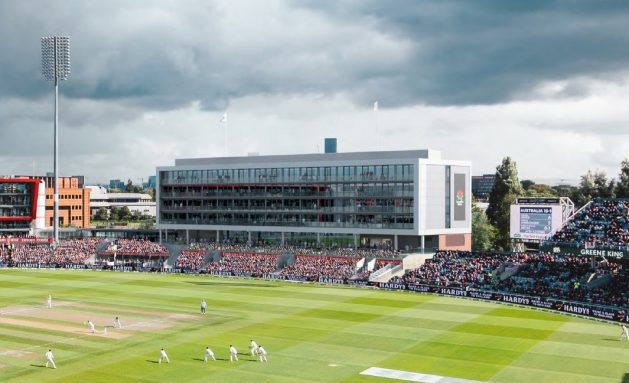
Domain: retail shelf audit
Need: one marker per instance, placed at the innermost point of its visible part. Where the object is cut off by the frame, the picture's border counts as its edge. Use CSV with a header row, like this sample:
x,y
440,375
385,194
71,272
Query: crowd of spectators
x,y
333,251
135,248
313,267
547,275
604,223
190,259
244,264
558,276
457,269
68,252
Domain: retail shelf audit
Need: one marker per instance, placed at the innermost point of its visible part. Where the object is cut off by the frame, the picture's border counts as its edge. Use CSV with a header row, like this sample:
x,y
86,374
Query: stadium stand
x,y
135,248
603,223
314,267
244,264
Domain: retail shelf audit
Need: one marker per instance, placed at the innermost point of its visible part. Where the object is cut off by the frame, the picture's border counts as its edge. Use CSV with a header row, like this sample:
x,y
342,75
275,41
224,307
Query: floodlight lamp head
x,y
55,54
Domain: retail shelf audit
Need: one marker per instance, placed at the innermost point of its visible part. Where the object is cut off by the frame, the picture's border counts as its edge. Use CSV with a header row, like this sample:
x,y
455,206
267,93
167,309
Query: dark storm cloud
x,y
486,51
164,55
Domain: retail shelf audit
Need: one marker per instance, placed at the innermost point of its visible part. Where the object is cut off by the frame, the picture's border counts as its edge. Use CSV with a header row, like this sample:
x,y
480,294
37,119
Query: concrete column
x,y
422,242
187,236
218,236
395,237
249,237
355,240
318,238
283,239
160,236
166,234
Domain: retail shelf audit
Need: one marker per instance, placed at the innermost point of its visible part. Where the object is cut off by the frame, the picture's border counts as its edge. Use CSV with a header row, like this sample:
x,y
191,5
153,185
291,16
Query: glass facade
x,y
15,199
15,205
369,196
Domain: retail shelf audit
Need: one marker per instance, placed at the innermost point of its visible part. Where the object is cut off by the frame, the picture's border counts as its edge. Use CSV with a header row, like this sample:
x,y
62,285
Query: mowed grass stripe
x,y
449,353
313,333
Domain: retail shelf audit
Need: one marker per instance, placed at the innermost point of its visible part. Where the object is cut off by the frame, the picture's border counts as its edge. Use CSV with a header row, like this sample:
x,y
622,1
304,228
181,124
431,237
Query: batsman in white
x,y
50,359
209,354
163,355
49,301
117,323
233,353
90,325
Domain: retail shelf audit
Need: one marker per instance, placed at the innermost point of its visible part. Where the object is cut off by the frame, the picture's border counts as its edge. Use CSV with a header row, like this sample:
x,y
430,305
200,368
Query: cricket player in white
x,y
117,323
254,347
163,355
209,354
49,301
624,332
203,306
50,359
262,353
90,325
233,353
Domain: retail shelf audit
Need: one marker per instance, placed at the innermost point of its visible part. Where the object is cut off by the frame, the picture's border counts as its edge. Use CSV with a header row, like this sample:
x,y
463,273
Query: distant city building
x,y
74,201
482,185
100,198
117,184
151,183
404,199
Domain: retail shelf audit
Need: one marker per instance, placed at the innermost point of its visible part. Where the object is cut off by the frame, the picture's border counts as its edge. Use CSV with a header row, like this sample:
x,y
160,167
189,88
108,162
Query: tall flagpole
x,y
375,111
224,122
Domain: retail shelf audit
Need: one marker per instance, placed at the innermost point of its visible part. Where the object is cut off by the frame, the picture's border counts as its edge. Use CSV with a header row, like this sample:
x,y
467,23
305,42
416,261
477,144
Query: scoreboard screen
x,y
534,221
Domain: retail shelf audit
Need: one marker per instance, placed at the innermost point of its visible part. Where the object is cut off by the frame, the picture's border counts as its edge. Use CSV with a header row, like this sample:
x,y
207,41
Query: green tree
x,y
526,184
114,214
124,214
564,190
130,187
483,232
622,187
506,189
540,190
101,214
593,185
136,216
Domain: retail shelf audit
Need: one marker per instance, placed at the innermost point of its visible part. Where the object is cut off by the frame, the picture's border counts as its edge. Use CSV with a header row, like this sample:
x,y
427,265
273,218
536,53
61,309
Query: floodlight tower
x,y
55,59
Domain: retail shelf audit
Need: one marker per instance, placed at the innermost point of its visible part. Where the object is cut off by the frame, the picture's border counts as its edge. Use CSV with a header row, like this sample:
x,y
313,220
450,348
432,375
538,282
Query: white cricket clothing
x,y
50,359
262,353
91,326
254,347
209,354
624,333
117,323
49,301
163,355
233,354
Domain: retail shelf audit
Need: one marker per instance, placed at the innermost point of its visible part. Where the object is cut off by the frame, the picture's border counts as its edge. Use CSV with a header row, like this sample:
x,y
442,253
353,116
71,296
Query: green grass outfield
x,y
313,333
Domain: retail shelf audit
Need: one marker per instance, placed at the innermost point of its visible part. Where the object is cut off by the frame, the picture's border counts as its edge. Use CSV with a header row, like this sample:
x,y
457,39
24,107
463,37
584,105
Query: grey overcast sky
x,y
545,82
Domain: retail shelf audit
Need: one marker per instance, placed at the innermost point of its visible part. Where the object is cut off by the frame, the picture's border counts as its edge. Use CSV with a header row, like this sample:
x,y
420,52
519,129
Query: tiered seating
x,y
548,275
314,267
190,259
605,223
244,264
457,269
135,248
